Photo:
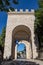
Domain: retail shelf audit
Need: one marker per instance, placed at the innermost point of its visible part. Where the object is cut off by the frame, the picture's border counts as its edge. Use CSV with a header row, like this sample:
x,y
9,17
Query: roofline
x,y
21,11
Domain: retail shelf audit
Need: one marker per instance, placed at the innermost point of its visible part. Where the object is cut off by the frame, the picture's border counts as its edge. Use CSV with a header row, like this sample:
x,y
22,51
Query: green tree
x,y
40,3
39,22
5,5
2,41
2,37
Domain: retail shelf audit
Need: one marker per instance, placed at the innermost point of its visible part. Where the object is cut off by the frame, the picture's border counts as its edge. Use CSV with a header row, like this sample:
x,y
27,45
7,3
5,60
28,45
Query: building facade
x,y
20,26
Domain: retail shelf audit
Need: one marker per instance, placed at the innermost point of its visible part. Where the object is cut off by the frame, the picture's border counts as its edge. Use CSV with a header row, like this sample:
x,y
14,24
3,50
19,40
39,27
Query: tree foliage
x,y
2,37
5,5
40,3
39,22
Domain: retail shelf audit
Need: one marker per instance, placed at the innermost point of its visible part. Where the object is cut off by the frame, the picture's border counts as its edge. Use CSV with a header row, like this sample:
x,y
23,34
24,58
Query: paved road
x,y
22,62
32,60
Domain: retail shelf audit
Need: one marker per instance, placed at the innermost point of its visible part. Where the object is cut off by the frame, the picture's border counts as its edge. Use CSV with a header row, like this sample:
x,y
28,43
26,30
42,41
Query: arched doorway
x,y
21,51
23,35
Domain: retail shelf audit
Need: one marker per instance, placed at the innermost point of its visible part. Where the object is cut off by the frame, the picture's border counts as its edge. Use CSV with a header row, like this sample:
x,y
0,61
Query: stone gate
x,y
20,25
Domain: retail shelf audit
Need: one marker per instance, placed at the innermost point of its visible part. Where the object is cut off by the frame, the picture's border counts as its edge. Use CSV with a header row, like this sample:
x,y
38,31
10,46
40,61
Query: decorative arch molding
x,y
26,43
23,34
22,30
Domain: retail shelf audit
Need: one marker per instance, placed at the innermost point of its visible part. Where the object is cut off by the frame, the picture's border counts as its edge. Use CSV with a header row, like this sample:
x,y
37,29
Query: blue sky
x,y
23,4
20,47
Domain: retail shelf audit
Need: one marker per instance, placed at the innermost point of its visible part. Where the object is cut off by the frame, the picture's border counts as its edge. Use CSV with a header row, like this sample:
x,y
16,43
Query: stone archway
x,y
21,50
28,49
22,34
19,22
